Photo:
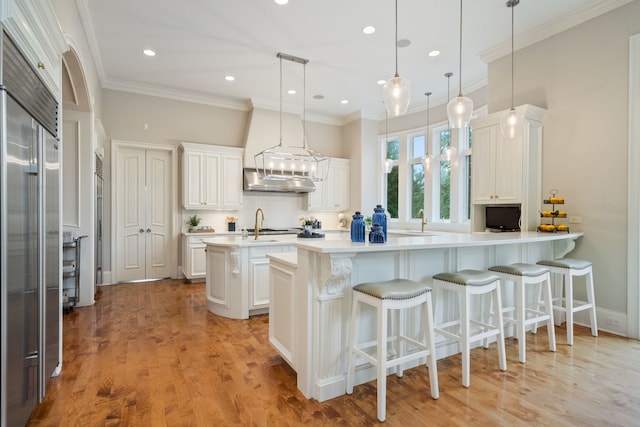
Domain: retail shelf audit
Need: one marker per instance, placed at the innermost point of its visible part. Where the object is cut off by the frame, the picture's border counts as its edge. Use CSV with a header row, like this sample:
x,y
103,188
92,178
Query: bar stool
x,y
467,283
569,268
396,294
522,275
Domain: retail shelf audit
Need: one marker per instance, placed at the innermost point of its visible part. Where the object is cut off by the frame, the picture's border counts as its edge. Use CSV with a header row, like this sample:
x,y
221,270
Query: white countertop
x,y
341,242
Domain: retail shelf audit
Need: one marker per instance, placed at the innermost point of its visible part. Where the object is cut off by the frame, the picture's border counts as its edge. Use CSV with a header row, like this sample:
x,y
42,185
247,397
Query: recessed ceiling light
x,y
404,42
381,82
229,78
369,29
281,2
291,91
149,52
434,53
344,101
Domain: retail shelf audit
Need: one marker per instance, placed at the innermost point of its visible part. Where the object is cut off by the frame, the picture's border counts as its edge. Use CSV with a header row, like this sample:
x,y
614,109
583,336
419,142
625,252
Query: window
x,y
392,153
437,186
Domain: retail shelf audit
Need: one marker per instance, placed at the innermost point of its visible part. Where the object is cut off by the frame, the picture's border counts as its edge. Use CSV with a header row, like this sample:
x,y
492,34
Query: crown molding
x,y
176,94
84,11
551,28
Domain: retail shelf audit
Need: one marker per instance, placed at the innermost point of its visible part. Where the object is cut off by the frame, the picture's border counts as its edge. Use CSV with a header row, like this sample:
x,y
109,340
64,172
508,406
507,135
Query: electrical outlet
x,y
575,219
613,322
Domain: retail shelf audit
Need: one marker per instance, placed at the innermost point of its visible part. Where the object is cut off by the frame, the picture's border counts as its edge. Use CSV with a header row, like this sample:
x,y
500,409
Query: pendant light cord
x,y
396,40
513,5
428,121
304,105
460,69
280,100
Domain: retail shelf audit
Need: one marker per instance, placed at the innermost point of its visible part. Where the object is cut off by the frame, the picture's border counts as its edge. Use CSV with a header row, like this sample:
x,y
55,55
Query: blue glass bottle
x,y
357,227
376,235
380,218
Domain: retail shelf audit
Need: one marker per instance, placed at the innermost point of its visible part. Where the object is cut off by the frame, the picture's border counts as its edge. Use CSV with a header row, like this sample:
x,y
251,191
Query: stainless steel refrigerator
x,y
30,241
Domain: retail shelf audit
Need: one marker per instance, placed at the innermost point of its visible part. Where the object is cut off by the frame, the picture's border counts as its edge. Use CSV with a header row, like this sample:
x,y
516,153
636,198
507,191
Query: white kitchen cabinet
x,y
282,310
507,171
332,194
34,28
499,178
194,258
237,277
211,177
259,276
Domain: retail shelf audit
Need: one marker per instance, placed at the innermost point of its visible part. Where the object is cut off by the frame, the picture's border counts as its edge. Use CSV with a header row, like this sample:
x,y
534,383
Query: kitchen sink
x,y
262,241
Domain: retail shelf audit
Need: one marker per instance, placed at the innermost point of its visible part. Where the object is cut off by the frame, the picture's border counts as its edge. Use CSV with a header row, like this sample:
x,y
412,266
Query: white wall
x,y
581,77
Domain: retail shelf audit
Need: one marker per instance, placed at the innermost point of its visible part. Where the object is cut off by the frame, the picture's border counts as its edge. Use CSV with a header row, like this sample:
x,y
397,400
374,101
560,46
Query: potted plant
x,y
193,222
307,223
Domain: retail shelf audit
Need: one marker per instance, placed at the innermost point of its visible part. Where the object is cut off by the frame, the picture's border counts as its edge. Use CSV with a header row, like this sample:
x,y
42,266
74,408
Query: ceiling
x,y
199,42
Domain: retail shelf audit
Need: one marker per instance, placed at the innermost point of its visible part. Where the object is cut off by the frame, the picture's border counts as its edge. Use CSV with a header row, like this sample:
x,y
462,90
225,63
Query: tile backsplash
x,y
280,210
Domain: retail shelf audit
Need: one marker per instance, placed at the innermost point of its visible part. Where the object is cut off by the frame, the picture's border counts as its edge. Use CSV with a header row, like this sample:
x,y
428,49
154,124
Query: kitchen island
x,y
325,270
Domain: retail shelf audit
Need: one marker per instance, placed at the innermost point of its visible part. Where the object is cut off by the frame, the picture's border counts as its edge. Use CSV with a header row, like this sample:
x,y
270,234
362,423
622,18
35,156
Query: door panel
x,y
52,256
143,212
21,274
158,239
130,181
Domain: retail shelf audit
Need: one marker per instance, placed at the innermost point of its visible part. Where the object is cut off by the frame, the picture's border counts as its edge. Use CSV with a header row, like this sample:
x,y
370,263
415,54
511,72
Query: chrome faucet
x,y
256,227
424,220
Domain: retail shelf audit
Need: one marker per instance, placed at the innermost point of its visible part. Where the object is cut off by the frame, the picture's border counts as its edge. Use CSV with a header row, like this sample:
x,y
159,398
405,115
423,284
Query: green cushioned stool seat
x,y
468,277
397,289
521,269
566,263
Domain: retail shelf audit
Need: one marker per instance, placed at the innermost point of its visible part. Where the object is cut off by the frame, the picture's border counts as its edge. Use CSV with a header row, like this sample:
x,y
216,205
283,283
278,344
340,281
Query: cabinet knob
x,y
41,65
141,230
148,230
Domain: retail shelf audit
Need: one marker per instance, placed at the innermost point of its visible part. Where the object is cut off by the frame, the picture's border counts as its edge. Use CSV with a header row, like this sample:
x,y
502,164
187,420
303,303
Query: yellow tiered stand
x,y
553,214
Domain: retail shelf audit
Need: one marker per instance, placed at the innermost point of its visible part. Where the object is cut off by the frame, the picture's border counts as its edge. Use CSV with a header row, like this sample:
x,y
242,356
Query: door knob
x,y
142,230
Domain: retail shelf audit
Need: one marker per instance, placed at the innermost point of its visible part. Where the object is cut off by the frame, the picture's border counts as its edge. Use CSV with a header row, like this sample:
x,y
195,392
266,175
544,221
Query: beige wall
x,y
169,121
581,77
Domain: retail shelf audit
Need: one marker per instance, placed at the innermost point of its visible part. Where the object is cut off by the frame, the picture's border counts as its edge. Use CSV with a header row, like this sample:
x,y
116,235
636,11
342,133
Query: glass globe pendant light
x,y
450,152
459,110
397,90
426,160
511,121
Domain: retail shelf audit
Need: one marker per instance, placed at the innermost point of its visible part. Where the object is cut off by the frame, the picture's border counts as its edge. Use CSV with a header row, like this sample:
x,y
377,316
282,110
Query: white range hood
x,y
263,131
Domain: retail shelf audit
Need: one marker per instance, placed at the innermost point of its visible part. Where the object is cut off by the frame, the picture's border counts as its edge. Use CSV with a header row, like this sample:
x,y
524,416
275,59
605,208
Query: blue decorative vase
x,y
357,227
380,218
376,235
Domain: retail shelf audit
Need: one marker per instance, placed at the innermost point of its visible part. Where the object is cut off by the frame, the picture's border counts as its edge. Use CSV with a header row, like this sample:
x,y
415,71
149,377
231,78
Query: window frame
x,y
460,175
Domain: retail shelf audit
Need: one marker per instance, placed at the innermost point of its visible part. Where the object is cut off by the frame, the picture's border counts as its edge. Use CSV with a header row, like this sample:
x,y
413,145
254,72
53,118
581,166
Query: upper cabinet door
x,y
211,177
192,163
231,182
509,169
209,180
332,194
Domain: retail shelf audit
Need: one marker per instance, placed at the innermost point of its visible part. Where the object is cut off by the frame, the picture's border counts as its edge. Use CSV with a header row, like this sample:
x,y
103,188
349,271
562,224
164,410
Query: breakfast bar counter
x,y
328,268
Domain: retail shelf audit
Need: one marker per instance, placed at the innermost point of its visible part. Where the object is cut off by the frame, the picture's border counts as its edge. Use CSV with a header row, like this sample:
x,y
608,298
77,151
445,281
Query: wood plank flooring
x,y
150,354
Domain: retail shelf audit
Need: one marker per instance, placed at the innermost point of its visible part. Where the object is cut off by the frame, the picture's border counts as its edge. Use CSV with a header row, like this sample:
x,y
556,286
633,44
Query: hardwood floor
x,y
150,354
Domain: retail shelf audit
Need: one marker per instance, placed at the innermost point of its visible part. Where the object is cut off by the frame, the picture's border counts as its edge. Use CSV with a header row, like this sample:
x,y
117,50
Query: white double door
x,y
143,213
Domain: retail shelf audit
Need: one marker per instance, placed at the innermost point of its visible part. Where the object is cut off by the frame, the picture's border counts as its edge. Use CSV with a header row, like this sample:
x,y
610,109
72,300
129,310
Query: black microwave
x,y
503,218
